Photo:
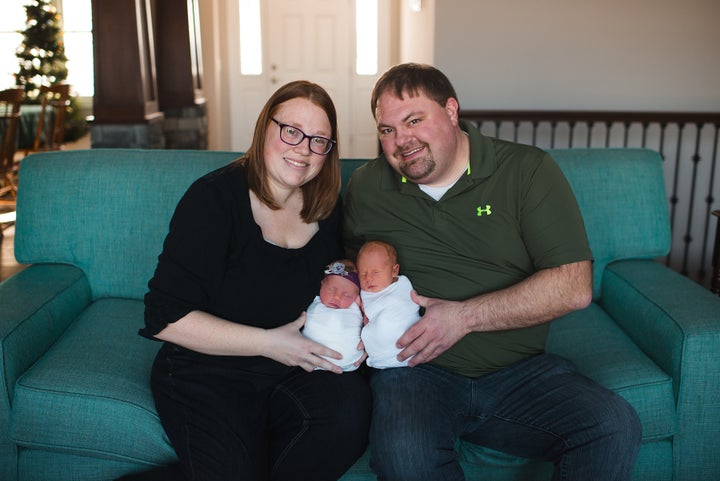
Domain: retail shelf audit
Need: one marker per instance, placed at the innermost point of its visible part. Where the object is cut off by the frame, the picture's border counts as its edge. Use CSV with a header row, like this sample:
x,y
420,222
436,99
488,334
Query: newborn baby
x,y
334,318
387,304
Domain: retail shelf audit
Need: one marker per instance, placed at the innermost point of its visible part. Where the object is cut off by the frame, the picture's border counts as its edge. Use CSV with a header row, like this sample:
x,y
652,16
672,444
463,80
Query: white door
x,y
310,40
314,40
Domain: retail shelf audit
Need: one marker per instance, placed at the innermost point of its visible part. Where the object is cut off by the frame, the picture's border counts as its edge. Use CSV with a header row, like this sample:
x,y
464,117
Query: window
x,y
77,35
366,37
11,20
76,16
250,38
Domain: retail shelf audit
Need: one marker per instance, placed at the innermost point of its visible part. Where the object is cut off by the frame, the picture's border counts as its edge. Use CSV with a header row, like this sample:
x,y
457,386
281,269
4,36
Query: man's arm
x,y
545,295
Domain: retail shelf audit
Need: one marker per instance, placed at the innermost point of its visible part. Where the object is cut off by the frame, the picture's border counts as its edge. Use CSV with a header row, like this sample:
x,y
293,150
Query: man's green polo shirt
x,y
511,214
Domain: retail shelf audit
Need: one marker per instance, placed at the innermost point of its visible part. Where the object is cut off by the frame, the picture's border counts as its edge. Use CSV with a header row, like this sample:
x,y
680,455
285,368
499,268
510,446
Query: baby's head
x,y
377,266
340,287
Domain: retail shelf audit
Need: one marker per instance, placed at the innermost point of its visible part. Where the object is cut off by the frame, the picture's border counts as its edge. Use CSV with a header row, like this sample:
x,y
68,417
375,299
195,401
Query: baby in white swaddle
x,y
334,318
387,304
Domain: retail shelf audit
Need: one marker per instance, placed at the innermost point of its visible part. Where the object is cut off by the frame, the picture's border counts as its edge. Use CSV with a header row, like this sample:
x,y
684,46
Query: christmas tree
x,y
43,62
42,54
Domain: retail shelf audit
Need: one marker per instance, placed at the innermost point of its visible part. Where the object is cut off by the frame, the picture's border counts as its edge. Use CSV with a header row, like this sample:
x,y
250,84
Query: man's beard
x,y
417,169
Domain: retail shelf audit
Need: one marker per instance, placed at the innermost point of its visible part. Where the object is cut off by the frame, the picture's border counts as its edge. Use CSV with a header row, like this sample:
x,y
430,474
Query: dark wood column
x,y
125,85
125,76
179,73
179,58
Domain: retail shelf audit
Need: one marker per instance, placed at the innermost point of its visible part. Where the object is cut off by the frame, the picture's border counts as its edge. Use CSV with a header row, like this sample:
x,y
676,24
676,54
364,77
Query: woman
x,y
235,383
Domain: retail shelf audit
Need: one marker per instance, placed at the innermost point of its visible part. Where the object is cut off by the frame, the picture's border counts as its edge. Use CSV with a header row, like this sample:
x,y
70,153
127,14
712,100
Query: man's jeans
x,y
540,408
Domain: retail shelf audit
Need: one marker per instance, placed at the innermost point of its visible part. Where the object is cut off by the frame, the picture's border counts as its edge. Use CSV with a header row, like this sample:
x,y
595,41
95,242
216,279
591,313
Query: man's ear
x,y
452,108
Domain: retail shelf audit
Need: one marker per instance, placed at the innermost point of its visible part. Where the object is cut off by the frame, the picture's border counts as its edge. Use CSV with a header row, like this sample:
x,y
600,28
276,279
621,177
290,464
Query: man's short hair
x,y
413,79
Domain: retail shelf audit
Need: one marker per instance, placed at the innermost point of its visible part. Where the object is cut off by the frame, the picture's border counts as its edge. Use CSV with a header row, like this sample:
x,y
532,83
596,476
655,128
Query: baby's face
x,y
337,292
376,270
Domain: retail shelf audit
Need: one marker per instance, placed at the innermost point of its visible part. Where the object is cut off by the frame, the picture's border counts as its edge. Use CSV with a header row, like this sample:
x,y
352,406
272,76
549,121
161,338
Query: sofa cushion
x,y
622,221
37,465
89,394
603,352
117,205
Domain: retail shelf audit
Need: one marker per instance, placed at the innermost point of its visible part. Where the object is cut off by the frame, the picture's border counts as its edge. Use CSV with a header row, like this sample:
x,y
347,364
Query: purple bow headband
x,y
338,268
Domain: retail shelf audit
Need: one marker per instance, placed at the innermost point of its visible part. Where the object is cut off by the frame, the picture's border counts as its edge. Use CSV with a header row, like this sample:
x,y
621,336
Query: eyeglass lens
x,y
294,136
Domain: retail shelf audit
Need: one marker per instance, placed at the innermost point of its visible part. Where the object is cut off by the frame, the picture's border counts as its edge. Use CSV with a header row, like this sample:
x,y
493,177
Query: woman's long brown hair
x,y
319,194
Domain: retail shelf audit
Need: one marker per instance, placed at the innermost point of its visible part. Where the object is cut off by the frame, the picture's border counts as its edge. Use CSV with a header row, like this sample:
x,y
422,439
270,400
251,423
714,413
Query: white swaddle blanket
x,y
390,313
338,329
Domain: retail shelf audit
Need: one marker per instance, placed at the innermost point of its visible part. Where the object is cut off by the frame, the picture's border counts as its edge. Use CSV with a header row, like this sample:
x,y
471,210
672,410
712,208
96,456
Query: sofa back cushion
x,y
621,194
106,211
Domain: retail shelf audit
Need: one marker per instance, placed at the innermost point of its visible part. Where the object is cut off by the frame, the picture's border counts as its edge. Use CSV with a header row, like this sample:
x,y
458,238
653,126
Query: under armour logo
x,y
483,210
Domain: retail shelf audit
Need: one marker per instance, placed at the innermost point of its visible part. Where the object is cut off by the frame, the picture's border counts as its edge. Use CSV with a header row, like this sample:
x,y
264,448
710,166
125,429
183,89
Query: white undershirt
x,y
436,192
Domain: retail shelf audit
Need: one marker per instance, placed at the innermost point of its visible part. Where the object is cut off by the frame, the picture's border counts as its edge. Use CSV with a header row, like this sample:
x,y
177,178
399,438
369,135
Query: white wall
x,y
215,40
417,32
581,54
654,55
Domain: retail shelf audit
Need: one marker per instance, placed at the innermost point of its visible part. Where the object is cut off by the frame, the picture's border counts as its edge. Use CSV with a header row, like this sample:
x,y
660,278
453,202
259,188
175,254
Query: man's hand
x,y
361,347
434,333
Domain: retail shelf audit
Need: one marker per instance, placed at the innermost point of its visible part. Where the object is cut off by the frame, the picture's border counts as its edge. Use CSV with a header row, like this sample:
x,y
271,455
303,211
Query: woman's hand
x,y
288,346
209,334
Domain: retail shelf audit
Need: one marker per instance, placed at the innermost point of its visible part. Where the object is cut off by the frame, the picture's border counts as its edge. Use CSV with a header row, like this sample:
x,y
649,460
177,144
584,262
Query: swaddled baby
x,y
334,318
387,304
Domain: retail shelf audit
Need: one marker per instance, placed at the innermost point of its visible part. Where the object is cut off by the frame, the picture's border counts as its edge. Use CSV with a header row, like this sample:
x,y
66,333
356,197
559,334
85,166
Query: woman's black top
x,y
215,259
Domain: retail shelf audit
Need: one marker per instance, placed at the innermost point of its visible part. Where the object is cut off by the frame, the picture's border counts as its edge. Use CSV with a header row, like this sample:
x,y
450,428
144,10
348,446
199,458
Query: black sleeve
x,y
193,259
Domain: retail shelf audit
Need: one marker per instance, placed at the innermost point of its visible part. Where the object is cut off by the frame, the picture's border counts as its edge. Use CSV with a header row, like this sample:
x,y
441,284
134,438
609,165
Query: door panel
x,y
310,40
314,40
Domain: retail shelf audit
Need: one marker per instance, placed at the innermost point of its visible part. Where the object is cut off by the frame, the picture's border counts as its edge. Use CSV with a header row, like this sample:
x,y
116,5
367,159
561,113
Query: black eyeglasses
x,y
294,136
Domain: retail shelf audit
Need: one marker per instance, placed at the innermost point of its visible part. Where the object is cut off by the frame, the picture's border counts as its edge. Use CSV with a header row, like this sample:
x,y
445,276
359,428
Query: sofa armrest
x,y
38,303
676,322
36,306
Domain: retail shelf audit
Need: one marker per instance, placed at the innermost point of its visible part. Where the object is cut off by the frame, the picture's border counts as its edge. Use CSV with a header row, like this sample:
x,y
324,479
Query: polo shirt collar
x,y
482,152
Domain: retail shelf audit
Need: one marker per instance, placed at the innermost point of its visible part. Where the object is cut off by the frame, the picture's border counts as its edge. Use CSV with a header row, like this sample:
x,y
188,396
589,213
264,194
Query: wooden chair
x,y
49,136
10,100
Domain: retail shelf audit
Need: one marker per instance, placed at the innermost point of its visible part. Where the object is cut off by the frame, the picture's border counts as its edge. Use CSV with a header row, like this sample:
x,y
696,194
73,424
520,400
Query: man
x,y
490,234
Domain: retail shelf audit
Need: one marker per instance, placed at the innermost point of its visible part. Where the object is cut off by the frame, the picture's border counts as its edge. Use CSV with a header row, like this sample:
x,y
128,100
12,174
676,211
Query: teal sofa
x,y
75,402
